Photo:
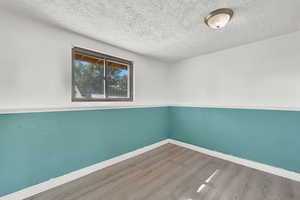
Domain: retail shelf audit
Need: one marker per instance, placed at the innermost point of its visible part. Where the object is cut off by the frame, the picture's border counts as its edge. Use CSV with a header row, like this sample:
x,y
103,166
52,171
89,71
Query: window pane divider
x,y
105,79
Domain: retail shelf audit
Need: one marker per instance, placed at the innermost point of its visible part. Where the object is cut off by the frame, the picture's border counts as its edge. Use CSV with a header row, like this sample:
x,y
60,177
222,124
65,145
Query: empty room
x,y
150,100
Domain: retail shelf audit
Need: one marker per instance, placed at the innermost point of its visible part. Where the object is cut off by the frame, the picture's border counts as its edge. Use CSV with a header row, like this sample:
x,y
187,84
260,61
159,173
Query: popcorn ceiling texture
x,y
168,30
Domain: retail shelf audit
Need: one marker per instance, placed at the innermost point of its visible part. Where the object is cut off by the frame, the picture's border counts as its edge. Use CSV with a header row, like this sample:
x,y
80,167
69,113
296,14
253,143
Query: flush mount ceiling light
x,y
218,19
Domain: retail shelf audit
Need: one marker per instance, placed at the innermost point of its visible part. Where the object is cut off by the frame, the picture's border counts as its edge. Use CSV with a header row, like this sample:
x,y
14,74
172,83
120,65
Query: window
x,y
100,77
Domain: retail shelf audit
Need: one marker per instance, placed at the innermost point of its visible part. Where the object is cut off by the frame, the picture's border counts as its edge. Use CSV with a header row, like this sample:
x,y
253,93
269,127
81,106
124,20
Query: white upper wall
x,y
261,74
35,64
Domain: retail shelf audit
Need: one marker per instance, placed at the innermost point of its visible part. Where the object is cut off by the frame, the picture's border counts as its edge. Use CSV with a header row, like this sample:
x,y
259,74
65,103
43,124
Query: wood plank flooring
x,y
171,172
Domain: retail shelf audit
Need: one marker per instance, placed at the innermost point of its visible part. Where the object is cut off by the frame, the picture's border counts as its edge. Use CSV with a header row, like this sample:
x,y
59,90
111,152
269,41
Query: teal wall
x,y
266,136
35,147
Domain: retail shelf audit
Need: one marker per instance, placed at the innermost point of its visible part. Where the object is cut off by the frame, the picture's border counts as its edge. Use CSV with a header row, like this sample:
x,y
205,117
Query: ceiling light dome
x,y
218,19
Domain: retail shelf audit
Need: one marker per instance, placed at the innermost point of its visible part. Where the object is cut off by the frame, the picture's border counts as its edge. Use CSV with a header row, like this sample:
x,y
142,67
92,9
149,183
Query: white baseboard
x,y
33,190
248,163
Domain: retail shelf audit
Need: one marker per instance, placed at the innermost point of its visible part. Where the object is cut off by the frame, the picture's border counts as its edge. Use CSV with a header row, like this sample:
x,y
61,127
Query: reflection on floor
x,y
173,172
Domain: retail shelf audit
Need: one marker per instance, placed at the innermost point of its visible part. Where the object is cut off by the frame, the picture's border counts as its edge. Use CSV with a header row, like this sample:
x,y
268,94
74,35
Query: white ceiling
x,y
169,30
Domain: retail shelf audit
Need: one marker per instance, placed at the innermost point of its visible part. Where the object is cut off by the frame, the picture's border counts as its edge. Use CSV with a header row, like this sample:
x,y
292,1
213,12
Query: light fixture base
x,y
219,18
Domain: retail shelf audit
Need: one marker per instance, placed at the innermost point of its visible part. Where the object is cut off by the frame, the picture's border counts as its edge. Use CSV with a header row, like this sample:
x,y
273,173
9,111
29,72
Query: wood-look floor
x,y
175,173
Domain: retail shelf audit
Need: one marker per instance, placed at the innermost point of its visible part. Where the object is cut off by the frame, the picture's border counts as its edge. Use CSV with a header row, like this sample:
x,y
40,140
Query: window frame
x,y
106,58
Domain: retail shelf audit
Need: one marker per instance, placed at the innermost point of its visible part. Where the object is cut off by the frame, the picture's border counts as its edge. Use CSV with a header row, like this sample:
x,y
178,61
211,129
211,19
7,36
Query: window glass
x,y
100,77
117,79
88,77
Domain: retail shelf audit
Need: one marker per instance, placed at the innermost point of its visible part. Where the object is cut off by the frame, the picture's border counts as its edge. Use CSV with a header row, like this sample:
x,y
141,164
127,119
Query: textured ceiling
x,y
169,30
